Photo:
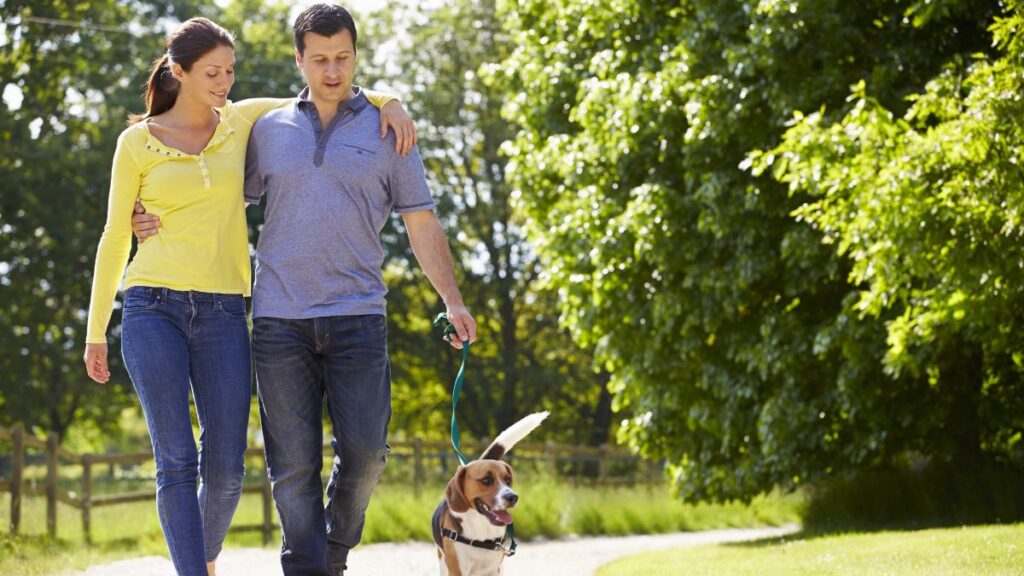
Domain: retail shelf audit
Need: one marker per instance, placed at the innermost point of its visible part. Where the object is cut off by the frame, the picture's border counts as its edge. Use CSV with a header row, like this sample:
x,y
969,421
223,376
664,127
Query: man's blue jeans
x,y
298,364
174,341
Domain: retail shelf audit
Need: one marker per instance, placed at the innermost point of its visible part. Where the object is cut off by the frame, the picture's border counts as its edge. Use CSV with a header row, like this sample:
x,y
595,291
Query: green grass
x,y
974,551
546,509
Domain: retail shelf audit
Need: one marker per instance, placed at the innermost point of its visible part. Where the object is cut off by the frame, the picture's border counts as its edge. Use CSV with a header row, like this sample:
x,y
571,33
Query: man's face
x,y
329,64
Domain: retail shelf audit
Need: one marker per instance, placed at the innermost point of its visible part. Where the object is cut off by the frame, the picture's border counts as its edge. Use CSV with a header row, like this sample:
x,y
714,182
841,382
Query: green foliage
x,y
522,362
927,208
939,495
732,330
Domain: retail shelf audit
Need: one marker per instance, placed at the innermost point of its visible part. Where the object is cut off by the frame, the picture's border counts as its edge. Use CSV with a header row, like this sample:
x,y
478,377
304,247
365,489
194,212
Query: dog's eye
x,y
508,480
486,481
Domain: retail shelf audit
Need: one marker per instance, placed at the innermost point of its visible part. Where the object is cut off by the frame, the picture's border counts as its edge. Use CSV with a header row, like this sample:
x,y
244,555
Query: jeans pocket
x,y
135,300
233,306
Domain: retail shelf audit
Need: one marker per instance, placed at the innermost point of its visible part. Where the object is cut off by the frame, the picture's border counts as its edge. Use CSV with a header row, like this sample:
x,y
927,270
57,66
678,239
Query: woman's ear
x,y
177,71
455,495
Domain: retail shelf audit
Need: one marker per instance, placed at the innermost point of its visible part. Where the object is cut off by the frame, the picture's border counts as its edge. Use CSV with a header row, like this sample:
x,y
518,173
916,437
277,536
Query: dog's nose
x,y
511,498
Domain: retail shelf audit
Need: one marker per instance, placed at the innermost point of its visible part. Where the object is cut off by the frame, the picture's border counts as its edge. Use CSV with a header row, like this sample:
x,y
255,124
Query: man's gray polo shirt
x,y
329,194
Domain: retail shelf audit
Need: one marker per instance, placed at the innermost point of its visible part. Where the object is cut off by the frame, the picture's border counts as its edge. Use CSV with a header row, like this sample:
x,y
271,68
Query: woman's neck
x,y
190,113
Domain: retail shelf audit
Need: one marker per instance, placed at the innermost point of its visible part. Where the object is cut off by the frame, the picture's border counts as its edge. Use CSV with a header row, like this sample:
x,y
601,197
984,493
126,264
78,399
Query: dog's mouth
x,y
496,517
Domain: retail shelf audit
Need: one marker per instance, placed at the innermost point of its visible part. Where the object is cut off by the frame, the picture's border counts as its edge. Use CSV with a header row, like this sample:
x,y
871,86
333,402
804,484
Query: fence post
x,y
17,465
653,471
417,470
551,457
52,443
87,497
602,465
268,525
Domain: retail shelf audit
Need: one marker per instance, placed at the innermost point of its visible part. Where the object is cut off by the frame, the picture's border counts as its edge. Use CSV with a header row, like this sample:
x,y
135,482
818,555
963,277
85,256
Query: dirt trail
x,y
569,557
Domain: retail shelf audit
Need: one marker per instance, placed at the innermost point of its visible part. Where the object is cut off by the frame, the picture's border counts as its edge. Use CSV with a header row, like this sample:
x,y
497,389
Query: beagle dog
x,y
470,523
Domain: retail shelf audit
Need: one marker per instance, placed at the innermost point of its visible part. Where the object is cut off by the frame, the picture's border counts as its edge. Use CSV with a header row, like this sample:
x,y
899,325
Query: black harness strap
x,y
496,545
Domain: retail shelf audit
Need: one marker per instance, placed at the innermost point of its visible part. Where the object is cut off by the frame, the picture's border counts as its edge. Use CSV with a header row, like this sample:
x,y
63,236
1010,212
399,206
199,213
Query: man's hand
x,y
465,326
144,225
393,115
96,362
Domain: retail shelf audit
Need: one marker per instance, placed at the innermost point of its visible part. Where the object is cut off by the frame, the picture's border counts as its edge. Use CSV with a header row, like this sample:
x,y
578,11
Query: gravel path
x,y
570,557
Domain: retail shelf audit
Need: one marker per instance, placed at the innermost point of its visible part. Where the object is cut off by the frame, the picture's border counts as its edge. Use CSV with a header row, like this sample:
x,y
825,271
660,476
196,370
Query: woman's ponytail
x,y
161,89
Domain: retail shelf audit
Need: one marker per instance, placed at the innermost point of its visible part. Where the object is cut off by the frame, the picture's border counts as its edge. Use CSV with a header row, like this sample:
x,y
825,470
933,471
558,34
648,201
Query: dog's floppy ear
x,y
508,469
454,495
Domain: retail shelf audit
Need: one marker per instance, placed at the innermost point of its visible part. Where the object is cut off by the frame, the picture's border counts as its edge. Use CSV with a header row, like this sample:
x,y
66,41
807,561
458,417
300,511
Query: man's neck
x,y
328,110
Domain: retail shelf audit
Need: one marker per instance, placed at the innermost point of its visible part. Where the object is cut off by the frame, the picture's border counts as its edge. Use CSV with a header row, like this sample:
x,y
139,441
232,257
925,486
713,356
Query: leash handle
x,y
449,330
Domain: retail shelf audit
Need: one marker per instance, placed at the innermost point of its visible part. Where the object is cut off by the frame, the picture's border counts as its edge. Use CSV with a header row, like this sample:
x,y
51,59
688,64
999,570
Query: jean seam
x,y
203,462
161,503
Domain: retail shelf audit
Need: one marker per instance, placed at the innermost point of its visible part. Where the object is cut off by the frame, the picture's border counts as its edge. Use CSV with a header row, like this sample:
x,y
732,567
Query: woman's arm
x,y
392,115
113,250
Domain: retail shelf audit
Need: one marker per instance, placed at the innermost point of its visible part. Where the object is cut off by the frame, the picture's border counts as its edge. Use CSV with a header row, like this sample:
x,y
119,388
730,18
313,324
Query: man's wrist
x,y
454,301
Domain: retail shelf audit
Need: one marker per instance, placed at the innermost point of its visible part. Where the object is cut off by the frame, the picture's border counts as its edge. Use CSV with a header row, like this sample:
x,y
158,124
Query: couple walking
x,y
331,179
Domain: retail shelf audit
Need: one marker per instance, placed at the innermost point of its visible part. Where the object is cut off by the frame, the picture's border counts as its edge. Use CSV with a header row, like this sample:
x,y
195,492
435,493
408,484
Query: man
x,y
318,301
319,298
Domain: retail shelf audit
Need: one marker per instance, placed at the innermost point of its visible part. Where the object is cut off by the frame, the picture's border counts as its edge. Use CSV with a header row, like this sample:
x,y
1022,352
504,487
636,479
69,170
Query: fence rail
x,y
550,455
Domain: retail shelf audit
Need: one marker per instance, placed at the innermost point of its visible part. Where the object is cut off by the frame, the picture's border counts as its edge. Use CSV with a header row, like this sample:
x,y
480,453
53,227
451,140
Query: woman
x,y
184,317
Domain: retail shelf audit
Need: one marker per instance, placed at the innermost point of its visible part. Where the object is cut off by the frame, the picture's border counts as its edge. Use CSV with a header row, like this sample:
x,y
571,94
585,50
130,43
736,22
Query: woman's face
x,y
210,78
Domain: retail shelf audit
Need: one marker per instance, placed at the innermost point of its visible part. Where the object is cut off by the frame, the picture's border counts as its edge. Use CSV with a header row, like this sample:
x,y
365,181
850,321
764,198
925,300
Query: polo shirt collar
x,y
356,103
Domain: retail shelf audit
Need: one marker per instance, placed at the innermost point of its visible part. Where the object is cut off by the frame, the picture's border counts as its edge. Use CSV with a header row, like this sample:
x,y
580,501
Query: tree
x,y
725,321
927,207
71,72
523,361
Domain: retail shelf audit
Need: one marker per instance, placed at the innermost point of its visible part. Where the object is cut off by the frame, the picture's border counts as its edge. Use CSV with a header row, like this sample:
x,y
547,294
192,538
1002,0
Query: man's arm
x,y
430,245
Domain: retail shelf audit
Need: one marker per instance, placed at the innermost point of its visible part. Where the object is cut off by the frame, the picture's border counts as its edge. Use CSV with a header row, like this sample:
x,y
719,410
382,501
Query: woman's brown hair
x,y
188,43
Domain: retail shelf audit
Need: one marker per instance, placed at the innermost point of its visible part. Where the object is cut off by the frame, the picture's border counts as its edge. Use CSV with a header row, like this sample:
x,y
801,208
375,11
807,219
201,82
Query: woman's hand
x,y
96,362
393,115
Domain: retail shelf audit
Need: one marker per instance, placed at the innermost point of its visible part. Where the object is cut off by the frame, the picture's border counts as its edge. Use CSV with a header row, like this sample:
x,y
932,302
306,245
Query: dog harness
x,y
496,544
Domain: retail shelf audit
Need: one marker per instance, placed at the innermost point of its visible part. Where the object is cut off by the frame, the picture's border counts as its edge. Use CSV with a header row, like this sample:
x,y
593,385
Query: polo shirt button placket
x,y
205,172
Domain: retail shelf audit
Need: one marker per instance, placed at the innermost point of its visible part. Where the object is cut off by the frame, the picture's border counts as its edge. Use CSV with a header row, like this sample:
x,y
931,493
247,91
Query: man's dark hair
x,y
325,20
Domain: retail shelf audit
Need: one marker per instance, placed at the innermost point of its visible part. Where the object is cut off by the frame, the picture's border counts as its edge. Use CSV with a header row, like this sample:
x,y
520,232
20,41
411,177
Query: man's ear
x,y
298,60
455,496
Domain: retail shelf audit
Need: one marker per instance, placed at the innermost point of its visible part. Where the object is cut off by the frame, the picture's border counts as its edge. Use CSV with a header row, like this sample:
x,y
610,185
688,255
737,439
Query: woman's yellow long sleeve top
x,y
203,244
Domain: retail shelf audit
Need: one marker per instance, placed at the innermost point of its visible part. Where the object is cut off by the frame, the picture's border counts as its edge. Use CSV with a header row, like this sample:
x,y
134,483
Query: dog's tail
x,y
510,437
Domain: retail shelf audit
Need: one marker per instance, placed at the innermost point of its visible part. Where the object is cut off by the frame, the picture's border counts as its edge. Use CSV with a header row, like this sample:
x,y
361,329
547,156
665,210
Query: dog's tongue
x,y
502,516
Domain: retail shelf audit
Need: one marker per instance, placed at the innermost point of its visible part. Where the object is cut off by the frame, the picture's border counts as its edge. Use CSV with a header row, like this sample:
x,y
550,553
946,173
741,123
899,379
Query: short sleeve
x,y
407,183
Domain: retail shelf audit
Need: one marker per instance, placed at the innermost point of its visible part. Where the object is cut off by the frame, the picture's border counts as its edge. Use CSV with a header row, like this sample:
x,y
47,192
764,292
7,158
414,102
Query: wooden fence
x,y
557,459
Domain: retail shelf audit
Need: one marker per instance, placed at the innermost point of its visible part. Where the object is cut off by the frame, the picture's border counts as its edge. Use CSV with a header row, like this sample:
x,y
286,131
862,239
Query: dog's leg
x,y
450,565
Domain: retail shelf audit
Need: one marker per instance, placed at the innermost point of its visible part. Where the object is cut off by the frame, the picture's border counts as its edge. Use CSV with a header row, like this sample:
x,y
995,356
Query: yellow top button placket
x,y
204,170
